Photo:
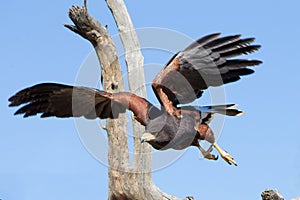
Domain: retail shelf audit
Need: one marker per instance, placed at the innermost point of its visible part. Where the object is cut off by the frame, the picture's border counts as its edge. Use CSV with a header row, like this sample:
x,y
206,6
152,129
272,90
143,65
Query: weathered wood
x,y
271,195
125,182
134,61
142,177
90,29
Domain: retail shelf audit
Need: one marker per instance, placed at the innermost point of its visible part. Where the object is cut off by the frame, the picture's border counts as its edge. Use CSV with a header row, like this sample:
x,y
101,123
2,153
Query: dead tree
x,y
271,195
125,181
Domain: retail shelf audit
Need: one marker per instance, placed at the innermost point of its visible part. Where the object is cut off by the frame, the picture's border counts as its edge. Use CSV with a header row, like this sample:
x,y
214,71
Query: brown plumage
x,y
202,64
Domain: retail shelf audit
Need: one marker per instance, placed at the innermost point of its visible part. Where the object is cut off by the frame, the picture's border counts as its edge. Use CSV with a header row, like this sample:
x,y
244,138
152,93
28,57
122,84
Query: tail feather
x,y
227,109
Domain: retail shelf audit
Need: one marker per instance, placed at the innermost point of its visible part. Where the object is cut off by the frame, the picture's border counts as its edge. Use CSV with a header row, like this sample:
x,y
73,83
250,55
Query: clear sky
x,y
45,158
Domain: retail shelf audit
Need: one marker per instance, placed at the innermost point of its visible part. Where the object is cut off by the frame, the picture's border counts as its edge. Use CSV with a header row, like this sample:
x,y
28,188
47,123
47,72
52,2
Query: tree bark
x,y
142,164
271,195
90,29
125,182
134,61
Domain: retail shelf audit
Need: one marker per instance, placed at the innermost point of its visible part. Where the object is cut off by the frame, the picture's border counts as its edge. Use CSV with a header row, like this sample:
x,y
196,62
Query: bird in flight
x,y
207,62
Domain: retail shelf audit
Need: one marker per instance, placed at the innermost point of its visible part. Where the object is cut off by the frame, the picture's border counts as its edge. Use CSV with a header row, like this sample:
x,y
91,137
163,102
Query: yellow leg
x,y
206,154
226,156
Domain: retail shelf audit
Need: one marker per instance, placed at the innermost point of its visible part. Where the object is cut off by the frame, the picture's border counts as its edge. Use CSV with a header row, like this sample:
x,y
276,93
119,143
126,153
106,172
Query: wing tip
x,y
13,101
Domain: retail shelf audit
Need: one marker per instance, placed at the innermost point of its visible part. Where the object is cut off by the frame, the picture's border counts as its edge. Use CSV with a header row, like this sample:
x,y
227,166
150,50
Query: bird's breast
x,y
181,132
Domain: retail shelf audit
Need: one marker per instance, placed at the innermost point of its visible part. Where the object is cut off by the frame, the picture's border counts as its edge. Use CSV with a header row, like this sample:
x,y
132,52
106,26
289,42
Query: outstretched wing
x,y
203,63
52,99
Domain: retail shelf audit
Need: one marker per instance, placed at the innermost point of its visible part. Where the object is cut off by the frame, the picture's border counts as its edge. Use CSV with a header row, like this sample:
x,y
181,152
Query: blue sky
x,y
45,158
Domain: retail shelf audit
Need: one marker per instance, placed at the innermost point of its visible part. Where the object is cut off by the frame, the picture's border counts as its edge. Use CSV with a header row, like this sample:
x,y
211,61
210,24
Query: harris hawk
x,y
207,62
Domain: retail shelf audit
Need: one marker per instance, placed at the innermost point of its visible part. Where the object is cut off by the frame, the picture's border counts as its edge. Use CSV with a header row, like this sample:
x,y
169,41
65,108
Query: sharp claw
x,y
230,161
206,154
225,155
211,157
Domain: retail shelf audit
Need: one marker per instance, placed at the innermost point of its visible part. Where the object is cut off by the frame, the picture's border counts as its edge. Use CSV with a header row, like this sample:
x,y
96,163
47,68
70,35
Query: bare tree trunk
x,y
92,30
125,182
134,61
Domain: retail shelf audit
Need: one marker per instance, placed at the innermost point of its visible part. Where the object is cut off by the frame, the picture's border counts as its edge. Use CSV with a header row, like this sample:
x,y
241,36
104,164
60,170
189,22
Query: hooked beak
x,y
146,137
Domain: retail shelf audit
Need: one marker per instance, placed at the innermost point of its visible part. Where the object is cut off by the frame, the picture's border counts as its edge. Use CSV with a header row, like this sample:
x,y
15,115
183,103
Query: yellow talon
x,y
226,156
